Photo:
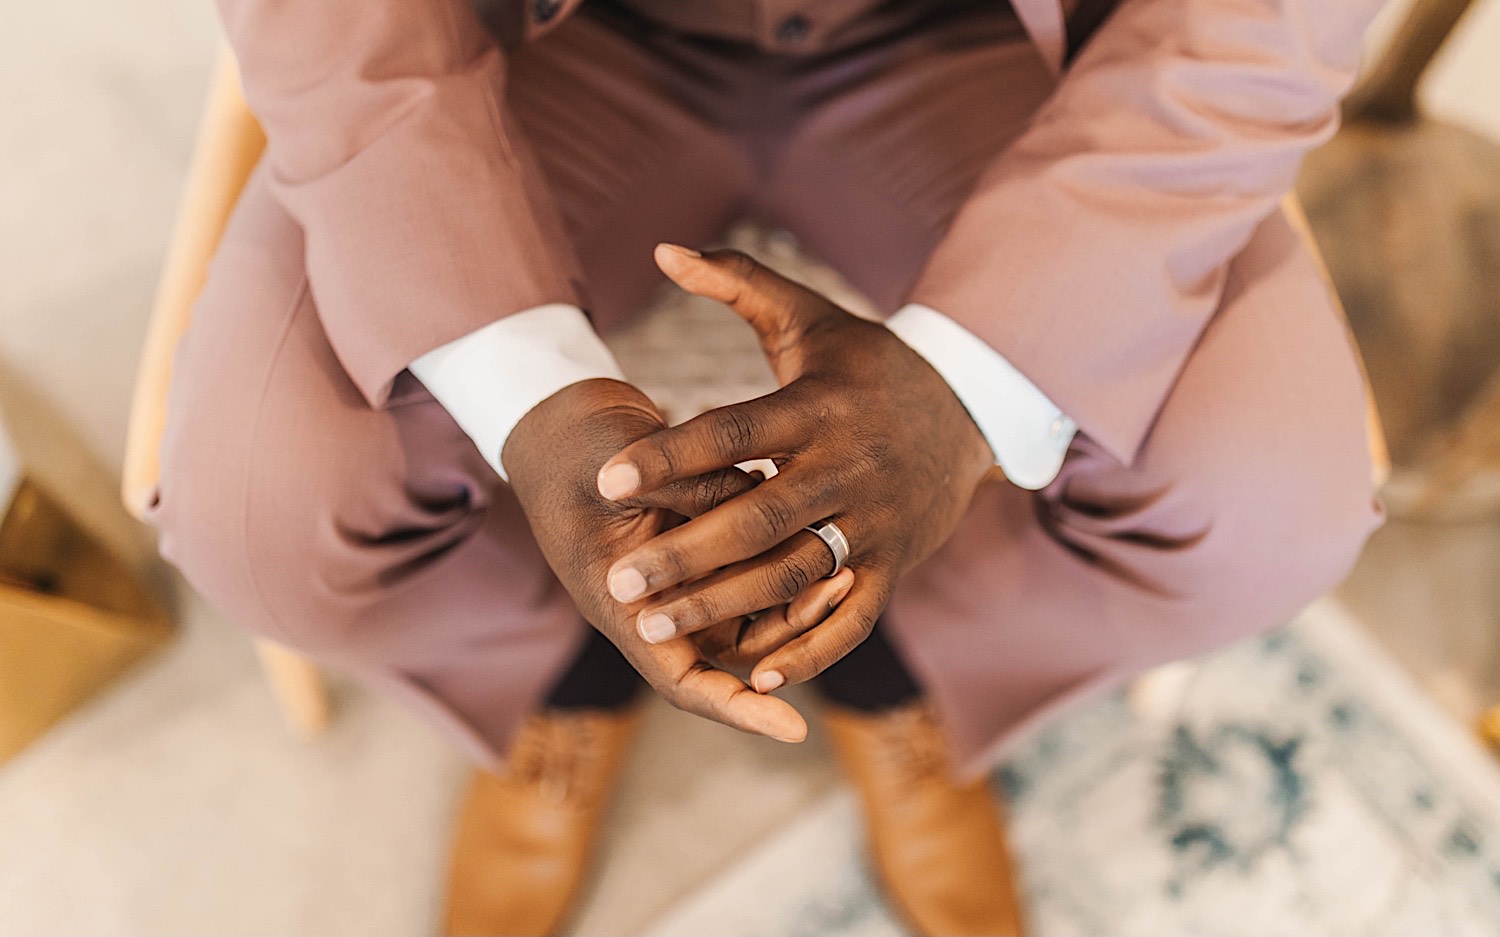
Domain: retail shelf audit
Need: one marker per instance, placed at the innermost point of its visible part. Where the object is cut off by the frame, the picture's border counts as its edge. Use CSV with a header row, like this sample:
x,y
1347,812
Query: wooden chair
x,y
230,143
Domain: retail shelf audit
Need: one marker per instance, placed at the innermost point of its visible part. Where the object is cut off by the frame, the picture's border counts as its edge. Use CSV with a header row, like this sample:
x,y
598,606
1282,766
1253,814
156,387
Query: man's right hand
x,y
553,457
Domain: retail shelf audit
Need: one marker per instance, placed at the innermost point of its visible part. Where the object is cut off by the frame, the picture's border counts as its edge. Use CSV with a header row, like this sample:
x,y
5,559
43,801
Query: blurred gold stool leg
x,y
230,143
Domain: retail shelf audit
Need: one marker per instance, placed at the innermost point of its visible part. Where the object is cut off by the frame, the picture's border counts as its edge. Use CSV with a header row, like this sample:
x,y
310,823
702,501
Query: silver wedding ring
x,y
838,544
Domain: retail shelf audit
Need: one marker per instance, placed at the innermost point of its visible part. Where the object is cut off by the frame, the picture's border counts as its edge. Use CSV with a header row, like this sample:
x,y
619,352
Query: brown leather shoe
x,y
525,837
938,845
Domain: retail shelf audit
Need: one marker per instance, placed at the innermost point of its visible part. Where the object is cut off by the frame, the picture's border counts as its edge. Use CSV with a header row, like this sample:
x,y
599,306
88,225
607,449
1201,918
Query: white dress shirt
x,y
490,378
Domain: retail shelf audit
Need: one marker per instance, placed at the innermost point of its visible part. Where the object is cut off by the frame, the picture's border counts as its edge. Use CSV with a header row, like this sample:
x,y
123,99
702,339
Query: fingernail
x,y
657,627
619,481
627,584
684,251
791,739
768,681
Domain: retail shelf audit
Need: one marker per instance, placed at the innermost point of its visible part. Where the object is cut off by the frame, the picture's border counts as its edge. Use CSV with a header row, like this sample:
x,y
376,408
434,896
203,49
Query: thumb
x,y
779,309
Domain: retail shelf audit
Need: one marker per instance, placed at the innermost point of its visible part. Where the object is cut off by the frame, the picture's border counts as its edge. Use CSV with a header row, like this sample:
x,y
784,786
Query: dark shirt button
x,y
793,29
544,10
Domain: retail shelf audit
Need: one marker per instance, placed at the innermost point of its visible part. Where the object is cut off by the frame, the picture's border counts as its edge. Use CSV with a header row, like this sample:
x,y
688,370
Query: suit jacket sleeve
x,y
1094,250
424,213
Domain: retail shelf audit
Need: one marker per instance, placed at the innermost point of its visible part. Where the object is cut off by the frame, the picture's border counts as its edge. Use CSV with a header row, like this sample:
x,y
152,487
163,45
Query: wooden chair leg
x,y
298,687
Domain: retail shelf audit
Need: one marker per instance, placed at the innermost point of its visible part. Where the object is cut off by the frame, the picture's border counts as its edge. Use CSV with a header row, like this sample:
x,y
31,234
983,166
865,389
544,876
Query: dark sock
x,y
870,678
599,678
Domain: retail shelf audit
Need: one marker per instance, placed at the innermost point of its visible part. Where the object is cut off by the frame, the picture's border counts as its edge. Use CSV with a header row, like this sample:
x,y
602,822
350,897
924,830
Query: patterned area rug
x,y
1297,784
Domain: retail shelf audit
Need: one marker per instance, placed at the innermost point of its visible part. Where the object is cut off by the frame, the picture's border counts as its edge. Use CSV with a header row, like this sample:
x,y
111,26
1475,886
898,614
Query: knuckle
x,y
739,263
666,564
841,408
785,578
696,610
677,701
838,646
832,645
676,693
658,457
770,518
711,490
735,430
663,688
874,449
816,658
824,490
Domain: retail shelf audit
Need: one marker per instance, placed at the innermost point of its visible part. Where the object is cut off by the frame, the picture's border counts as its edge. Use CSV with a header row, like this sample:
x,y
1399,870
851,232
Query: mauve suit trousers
x,y
379,541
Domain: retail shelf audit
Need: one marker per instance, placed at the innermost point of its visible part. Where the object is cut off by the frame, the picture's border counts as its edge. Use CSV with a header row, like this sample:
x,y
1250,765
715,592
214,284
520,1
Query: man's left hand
x,y
864,433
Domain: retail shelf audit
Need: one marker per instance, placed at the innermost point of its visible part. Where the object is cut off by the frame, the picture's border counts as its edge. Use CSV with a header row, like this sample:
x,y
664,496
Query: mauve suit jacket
x,y
1091,254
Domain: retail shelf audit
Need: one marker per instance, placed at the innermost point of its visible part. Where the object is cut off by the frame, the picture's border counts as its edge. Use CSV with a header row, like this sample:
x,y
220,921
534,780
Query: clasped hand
x,y
863,432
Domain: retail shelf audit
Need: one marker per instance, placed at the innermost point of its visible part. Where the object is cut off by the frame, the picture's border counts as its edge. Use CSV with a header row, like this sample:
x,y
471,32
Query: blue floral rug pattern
x,y
1297,784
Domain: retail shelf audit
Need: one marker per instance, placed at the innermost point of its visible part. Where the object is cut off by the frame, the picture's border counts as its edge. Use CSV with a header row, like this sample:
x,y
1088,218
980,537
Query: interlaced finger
x,y
809,654
718,439
739,529
700,494
770,579
744,641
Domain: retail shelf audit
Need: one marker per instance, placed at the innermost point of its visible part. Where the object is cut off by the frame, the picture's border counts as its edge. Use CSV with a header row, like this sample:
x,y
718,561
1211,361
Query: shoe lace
x,y
554,753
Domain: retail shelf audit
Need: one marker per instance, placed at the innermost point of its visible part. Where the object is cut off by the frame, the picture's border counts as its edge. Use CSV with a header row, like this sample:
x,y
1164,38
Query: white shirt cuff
x,y
489,379
1027,432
